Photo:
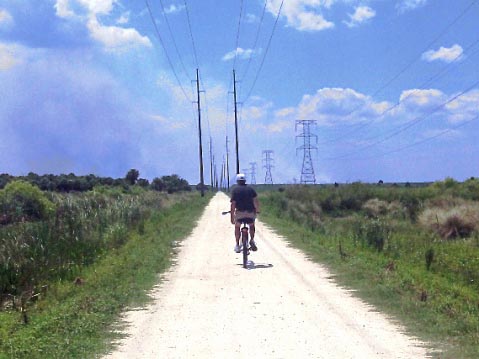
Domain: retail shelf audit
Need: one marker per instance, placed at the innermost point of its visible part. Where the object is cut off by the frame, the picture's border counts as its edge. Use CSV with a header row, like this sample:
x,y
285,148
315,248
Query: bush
x,y
372,232
21,201
375,208
458,220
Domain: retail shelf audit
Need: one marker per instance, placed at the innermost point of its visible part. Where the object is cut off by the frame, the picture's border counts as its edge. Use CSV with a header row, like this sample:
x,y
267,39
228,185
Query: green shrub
x,y
372,232
21,201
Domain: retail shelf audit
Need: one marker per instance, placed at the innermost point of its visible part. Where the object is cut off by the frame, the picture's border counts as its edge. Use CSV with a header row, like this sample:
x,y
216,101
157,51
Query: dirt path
x,y
284,306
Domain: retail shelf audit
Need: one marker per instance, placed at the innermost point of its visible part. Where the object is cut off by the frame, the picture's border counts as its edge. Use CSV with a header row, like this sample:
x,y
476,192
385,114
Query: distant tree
x,y
174,183
132,176
4,179
157,184
143,182
381,182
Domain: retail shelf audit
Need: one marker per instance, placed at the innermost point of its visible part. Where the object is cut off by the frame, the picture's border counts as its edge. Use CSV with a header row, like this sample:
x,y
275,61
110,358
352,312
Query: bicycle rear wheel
x,y
244,238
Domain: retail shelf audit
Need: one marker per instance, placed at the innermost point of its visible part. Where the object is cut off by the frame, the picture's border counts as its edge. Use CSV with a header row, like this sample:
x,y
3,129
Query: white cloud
x,y
251,18
330,106
172,9
124,18
464,108
451,54
303,15
421,98
406,5
285,112
361,15
240,53
62,8
116,38
6,18
280,126
7,57
98,7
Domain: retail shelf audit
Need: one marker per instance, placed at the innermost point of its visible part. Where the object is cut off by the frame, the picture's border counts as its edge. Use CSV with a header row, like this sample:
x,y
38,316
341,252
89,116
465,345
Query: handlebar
x,y
226,212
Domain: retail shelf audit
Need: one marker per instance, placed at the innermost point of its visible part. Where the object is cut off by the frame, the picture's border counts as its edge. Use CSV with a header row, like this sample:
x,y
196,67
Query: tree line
x,y
72,183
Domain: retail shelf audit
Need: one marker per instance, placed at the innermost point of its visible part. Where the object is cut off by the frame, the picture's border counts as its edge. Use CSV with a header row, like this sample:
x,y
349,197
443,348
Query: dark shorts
x,y
244,216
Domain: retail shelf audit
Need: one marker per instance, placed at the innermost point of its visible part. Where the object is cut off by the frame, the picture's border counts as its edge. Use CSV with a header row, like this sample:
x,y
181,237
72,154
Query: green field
x,y
71,262
413,251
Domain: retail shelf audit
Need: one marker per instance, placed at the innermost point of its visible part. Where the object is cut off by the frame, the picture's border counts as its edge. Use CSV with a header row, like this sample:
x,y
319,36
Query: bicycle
x,y
245,247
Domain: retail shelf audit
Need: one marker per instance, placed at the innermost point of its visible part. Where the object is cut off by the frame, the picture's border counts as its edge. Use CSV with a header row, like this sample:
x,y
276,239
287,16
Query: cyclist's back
x,y
244,207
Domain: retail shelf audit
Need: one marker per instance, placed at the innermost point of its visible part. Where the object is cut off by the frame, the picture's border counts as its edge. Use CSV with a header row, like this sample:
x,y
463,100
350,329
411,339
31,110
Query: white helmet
x,y
240,177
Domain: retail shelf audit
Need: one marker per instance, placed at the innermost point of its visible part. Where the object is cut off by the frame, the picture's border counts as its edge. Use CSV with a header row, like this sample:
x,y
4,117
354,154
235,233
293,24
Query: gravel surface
x,y
282,306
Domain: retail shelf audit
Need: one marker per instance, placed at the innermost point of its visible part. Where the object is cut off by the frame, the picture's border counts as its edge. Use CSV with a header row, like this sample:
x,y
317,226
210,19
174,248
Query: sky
x,y
388,89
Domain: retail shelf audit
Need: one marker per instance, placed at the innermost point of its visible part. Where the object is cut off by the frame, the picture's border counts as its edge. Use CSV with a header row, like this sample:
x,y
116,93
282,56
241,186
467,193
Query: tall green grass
x,y
73,318
80,230
374,239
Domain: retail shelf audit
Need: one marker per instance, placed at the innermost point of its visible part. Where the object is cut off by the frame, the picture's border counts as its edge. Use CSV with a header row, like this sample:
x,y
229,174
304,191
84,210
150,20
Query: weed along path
x,y
283,306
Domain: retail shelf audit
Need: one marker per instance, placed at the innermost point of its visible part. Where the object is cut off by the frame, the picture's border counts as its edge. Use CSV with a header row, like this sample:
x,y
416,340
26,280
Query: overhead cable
x,y
256,39
173,39
408,124
410,63
166,52
436,76
265,53
191,35
238,34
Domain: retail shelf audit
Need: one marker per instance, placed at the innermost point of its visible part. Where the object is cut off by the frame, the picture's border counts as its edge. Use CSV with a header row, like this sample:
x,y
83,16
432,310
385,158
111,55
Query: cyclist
x,y
244,205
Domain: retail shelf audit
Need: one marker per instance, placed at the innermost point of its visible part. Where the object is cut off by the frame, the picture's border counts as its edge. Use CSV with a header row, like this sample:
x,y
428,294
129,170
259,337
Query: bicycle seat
x,y
246,220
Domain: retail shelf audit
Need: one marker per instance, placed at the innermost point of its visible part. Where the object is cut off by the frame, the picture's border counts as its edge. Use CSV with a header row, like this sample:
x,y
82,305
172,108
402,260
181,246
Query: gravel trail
x,y
283,306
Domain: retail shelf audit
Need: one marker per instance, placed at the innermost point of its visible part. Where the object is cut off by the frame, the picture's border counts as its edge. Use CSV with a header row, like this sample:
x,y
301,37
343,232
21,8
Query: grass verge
x,y
74,320
436,308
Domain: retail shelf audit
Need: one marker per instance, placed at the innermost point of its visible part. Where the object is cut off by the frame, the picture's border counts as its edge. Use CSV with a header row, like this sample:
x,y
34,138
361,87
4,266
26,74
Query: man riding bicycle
x,y
244,206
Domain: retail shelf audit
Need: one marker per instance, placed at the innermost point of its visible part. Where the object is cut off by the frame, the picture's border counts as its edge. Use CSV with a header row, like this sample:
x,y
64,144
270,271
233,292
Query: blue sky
x,y
392,85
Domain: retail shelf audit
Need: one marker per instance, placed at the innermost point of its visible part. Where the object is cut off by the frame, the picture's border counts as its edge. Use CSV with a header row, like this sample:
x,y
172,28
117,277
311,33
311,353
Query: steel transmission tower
x,y
253,172
268,165
307,171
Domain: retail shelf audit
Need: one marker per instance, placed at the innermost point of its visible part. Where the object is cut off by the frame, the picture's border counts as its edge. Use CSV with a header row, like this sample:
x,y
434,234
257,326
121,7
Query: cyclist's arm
x,y
256,204
232,211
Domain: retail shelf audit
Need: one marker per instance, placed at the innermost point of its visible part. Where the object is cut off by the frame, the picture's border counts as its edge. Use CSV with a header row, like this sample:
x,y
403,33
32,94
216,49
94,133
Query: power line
x,y
166,52
410,63
173,39
408,124
435,77
191,34
238,34
256,39
265,53
399,149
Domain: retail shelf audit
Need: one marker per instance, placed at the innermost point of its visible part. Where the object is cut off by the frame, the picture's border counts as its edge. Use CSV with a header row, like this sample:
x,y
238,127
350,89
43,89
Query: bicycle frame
x,y
244,239
245,243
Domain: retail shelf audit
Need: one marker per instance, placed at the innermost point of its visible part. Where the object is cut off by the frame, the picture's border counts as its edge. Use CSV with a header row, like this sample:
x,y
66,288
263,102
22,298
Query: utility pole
x,y
253,172
236,123
268,165
211,162
227,163
222,177
307,171
202,179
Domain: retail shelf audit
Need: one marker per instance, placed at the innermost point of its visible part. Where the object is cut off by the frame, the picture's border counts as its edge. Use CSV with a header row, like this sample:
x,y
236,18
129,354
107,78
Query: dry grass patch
x,y
458,219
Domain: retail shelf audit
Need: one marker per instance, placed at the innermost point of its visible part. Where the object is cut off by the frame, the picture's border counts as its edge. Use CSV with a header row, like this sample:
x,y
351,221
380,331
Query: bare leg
x,y
237,233
252,230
